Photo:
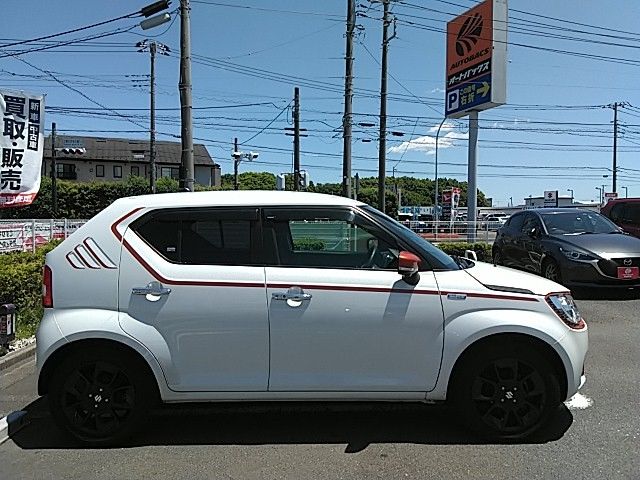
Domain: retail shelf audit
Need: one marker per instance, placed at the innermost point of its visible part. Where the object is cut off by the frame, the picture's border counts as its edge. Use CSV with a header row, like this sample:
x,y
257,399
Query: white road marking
x,y
578,402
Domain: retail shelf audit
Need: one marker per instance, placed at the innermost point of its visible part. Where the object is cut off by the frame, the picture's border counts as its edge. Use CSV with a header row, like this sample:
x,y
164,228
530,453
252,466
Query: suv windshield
x,y
436,257
577,222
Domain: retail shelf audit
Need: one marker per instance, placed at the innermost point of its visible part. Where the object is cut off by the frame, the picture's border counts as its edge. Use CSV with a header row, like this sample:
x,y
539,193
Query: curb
x,y
17,356
11,424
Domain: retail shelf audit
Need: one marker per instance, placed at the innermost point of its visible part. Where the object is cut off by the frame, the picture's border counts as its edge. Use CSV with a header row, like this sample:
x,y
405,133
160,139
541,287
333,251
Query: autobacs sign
x,y
476,59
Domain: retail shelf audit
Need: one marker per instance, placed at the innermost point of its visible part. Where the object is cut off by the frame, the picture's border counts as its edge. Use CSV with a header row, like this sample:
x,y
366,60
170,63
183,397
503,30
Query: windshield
x,y
436,257
577,222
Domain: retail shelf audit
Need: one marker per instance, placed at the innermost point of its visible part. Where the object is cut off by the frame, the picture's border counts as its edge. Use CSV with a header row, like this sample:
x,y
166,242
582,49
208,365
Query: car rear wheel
x,y
505,392
551,271
100,396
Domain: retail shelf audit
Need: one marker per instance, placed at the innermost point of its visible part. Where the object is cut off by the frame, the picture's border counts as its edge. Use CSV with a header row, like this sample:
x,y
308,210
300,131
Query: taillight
x,y
47,287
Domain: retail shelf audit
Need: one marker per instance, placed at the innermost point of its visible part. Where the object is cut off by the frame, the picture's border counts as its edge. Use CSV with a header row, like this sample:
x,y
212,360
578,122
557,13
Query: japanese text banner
x,y
21,145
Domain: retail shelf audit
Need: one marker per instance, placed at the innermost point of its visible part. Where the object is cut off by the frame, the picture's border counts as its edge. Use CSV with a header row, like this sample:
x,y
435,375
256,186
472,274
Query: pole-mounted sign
x,y
476,59
21,144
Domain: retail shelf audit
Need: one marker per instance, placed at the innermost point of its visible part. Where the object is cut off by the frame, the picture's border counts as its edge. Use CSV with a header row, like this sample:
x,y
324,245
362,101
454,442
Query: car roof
x,y
558,210
238,198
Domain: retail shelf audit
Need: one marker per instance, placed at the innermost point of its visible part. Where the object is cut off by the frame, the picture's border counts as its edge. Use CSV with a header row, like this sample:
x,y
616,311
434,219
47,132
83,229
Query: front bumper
x,y
573,347
583,274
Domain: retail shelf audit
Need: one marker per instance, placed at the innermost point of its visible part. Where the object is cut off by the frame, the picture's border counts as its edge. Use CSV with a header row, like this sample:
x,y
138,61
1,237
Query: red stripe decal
x,y
114,227
84,260
203,283
97,257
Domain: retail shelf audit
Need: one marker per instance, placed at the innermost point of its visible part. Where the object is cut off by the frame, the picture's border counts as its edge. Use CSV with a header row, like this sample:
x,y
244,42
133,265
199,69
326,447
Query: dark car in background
x,y
624,212
573,247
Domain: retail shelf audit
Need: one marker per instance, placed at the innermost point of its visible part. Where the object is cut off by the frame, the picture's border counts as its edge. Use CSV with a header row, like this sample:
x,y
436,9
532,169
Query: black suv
x,y
569,246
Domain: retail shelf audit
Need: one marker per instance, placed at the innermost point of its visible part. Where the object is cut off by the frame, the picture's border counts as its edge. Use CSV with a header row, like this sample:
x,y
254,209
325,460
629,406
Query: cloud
x,y
437,90
448,138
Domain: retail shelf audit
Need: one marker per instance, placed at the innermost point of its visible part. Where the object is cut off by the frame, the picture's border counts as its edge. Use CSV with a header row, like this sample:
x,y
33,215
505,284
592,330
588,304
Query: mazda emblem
x,y
627,262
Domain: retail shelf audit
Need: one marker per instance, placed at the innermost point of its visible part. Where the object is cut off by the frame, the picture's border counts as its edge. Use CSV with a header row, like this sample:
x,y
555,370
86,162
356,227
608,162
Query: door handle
x,y
152,288
294,293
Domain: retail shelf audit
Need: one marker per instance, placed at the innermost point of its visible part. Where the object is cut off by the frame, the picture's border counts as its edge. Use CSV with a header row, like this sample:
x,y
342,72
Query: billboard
x,y
22,144
476,59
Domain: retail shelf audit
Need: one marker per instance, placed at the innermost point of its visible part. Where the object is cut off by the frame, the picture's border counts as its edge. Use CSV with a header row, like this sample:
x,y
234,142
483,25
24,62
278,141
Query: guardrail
x,y
25,235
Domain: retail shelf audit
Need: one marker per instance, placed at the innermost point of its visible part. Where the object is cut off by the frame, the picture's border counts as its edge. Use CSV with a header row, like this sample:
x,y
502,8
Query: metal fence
x,y
27,235
458,231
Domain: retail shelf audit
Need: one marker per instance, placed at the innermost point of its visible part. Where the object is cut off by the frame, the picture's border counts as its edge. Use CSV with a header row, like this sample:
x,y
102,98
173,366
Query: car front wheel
x,y
505,392
551,270
100,395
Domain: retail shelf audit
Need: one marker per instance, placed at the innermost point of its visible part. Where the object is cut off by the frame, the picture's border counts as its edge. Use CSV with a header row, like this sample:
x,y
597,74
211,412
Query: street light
x,y
237,158
626,192
571,190
600,190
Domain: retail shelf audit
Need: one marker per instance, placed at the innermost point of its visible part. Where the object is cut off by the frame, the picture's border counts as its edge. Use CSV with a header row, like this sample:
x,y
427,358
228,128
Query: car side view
x,y
624,212
289,296
574,247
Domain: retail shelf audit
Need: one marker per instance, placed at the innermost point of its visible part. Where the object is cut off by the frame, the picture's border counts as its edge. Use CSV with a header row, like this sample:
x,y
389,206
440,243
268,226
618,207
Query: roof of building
x,y
238,198
124,150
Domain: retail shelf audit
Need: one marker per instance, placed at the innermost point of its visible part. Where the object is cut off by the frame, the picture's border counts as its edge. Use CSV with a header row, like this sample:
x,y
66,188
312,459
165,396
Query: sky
x,y
554,133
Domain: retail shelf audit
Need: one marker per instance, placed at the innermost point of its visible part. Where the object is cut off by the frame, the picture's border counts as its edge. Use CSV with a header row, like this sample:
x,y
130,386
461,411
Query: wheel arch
x,y
497,339
58,355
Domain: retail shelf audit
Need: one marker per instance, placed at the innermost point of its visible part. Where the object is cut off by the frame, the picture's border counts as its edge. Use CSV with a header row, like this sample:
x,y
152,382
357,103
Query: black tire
x,y
551,270
101,395
497,257
505,391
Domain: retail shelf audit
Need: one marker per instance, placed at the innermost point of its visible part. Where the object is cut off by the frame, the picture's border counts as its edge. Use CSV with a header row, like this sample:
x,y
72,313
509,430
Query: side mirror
x,y
408,264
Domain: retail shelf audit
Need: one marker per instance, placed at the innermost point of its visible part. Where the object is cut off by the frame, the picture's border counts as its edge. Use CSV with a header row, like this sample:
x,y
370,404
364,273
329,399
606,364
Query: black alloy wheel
x,y
551,271
99,396
506,396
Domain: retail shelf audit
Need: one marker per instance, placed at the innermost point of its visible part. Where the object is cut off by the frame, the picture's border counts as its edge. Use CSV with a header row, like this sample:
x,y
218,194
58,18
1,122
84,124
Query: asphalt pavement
x,y
597,437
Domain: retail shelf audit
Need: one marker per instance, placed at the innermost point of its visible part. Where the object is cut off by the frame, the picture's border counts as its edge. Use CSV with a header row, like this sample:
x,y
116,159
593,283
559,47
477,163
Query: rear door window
x,y
201,236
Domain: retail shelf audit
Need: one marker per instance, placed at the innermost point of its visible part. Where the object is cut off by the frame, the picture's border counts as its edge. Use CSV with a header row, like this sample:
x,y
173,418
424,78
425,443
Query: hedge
x,y
483,250
21,284
84,200
21,277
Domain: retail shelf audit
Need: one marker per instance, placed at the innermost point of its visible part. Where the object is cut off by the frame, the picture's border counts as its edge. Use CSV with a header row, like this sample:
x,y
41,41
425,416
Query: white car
x,y
263,296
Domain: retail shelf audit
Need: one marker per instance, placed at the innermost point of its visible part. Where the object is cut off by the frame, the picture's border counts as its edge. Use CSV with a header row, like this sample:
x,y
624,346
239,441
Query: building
x,y
88,159
563,201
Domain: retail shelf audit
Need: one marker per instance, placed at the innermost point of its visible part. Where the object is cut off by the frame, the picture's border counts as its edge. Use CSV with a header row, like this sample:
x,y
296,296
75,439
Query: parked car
x,y
624,212
493,222
577,248
263,296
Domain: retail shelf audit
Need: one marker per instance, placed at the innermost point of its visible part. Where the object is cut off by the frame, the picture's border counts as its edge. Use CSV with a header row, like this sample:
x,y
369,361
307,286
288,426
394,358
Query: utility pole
x,y
383,108
154,47
236,161
54,190
187,177
347,119
152,129
296,139
615,145
357,189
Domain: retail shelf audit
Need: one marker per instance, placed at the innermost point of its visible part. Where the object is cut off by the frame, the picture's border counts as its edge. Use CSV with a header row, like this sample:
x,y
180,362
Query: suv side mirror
x,y
408,265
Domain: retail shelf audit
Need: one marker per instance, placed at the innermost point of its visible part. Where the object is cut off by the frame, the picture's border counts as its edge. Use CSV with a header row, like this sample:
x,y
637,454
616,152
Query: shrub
x,y
483,250
21,283
308,244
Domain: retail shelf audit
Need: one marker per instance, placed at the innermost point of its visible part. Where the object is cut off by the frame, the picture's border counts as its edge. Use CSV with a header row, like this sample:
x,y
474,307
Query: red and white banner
x,y
21,145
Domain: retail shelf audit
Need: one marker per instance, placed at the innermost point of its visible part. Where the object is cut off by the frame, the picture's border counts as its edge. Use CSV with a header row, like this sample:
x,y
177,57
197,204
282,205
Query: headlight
x,y
577,256
565,308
